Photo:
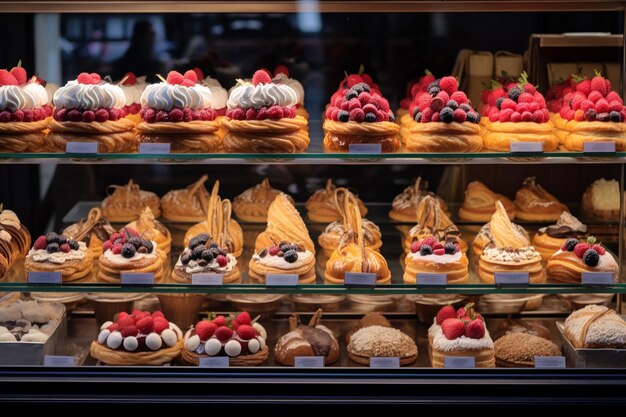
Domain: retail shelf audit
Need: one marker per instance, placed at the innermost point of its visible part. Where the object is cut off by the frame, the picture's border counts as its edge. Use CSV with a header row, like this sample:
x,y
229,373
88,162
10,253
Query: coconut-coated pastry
x,y
534,203
595,327
322,205
480,203
380,341
128,201
252,205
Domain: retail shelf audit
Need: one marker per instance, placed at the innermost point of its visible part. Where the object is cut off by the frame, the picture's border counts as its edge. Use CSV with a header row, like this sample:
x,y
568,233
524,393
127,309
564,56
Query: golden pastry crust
x,y
404,205
547,245
306,273
559,127
497,136
150,228
534,203
482,358
128,201
16,235
565,266
480,203
322,205
187,205
488,268
330,237
252,205
12,128
179,275
23,142
123,358
198,136
581,132
443,137
71,270
457,272
302,112
339,135
111,272
112,136
286,135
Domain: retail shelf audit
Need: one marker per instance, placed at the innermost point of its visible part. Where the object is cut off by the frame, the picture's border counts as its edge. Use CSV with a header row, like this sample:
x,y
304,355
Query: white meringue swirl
x,y
164,96
295,84
263,95
89,96
220,95
29,96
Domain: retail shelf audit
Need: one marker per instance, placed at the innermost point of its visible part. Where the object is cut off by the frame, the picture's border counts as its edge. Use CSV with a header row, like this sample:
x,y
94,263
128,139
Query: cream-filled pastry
x,y
549,239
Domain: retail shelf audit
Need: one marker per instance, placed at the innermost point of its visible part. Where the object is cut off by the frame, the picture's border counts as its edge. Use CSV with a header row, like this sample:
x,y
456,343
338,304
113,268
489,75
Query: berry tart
x,y
578,256
283,258
180,111
534,203
352,255
413,92
331,236
151,229
201,256
60,253
284,223
127,251
430,256
187,205
360,114
237,337
127,202
444,121
23,111
133,88
480,203
432,221
322,207
383,342
93,230
592,113
551,238
218,224
281,76
460,333
252,205
509,251
595,327
139,338
262,118
601,201
89,109
313,339
404,205
519,114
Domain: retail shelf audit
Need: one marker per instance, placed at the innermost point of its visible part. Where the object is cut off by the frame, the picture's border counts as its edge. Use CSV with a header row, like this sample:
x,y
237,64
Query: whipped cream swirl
x,y
28,96
295,84
165,96
263,95
89,96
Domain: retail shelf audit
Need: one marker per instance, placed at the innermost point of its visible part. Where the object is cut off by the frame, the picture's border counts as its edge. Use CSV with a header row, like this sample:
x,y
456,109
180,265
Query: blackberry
x,y
472,117
344,116
591,257
207,255
351,94
51,237
514,93
615,116
590,115
603,117
135,241
63,239
465,107
433,84
215,252
362,87
499,103
193,243
147,244
450,248
446,115
426,250
203,238
452,104
73,244
291,256
213,245
418,117
185,258
433,91
128,250
197,252
52,247
570,244
284,247
370,117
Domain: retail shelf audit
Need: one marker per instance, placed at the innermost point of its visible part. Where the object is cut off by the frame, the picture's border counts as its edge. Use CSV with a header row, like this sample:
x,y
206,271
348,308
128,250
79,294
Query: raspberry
x,y
88,116
507,103
525,98
365,98
273,251
117,248
437,104
176,115
101,115
128,331
598,248
538,116
459,97
382,116
114,327
448,84
439,252
145,325
95,77
40,243
261,77
223,333
613,96
426,115
205,329
453,328
354,104
516,117
175,77
527,116
591,257
160,324
598,84
444,313
244,318
64,248
191,75
246,332
522,107
72,116
85,78
238,114
602,106
125,320
435,117
250,114
357,115
424,101
505,115
586,105
580,249
430,241
107,245
20,74
221,260
275,112
415,246
131,79
594,96
615,105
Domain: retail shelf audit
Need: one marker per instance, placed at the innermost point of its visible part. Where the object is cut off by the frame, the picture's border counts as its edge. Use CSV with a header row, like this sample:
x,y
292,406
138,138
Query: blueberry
x,y
473,117
615,116
147,244
362,87
590,115
418,117
514,93
351,94
446,115
128,250
392,117
193,243
291,256
51,237
453,104
433,91
135,241
197,252
213,245
591,257
63,239
426,250
185,258
466,107
370,117
207,255
570,244
52,247
450,248
499,102
344,116
203,238
433,84
603,117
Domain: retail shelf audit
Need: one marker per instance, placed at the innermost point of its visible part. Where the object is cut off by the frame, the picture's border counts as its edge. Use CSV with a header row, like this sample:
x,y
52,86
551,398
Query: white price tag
x,y
281,280
598,279
365,148
460,362
599,147
359,279
207,279
309,361
82,147
550,362
154,148
214,362
43,278
384,362
431,280
54,360
526,147
512,278
132,278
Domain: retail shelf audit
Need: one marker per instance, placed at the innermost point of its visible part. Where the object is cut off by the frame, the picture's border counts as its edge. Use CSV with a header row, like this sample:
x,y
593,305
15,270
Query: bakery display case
x,y
288,196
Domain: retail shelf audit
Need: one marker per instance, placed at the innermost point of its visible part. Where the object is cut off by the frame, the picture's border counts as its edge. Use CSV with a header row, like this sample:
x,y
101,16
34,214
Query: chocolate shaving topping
x,y
564,232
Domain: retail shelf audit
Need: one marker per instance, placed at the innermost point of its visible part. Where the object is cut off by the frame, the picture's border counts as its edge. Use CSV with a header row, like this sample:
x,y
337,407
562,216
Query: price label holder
x,y
154,148
55,360
214,362
599,147
309,361
88,148
431,280
526,147
459,362
365,148
384,362
281,280
208,280
597,279
44,278
550,362
360,279
512,279
137,279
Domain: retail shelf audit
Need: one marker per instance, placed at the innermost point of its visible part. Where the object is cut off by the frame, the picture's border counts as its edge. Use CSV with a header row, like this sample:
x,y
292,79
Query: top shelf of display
x,y
294,6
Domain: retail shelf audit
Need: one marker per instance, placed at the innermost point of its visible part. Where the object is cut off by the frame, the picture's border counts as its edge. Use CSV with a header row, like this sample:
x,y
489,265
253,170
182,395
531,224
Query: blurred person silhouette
x,y
140,57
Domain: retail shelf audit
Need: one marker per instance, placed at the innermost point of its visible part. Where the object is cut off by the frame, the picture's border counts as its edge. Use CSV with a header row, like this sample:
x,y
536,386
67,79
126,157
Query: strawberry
x,y
598,84
145,325
598,248
261,77
84,78
199,73
415,246
244,318
191,75
475,329
19,73
205,329
448,84
131,79
223,333
453,328
130,330
246,332
445,312
40,243
6,78
125,321
281,69
580,249
175,77
160,324
220,321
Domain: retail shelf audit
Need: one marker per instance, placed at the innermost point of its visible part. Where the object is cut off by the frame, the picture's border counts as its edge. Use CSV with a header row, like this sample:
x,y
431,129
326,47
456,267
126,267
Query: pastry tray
x,y
33,353
591,358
